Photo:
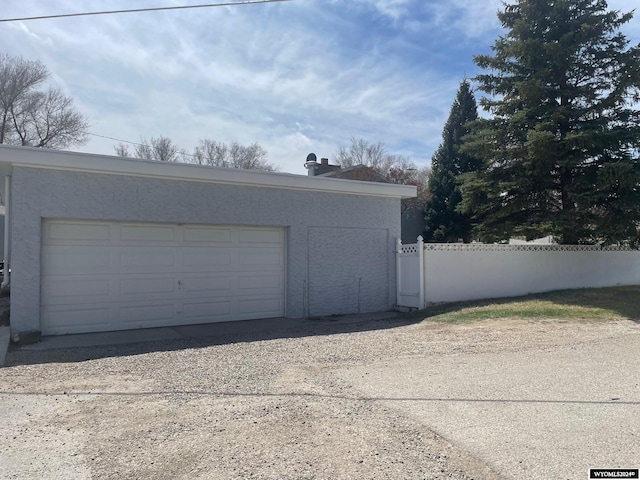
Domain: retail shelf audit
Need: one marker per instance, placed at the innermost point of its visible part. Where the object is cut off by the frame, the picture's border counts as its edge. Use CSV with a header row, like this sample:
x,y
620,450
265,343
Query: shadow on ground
x,y
625,301
79,348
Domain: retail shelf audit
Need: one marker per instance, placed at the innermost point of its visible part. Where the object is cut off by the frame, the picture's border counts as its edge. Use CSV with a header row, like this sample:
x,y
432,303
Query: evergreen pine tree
x,y
443,222
560,154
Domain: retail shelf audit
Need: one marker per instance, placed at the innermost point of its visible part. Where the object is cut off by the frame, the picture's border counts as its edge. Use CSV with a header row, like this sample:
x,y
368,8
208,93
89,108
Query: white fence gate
x,y
410,274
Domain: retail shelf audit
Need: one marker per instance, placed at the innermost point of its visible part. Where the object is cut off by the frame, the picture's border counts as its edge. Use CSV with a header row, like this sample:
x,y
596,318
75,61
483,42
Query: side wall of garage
x,y
328,245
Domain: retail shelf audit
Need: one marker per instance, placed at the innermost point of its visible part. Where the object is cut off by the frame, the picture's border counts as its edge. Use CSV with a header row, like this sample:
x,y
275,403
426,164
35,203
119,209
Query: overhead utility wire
x,y
116,139
153,9
185,153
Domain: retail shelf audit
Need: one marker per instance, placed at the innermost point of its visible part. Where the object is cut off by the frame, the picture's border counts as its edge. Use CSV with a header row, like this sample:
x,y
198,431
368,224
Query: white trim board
x,y
105,164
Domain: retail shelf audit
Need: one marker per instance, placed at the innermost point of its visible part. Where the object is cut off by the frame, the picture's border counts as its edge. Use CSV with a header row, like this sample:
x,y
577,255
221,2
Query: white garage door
x,y
101,276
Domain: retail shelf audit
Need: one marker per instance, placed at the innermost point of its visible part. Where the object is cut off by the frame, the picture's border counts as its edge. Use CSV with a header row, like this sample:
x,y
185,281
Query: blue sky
x,y
297,77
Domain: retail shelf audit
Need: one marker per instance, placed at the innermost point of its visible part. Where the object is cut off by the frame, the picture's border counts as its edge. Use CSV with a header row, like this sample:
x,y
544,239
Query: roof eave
x,y
113,165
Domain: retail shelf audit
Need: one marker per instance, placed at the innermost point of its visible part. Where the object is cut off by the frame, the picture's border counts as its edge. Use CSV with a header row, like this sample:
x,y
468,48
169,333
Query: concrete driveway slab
x,y
547,413
203,330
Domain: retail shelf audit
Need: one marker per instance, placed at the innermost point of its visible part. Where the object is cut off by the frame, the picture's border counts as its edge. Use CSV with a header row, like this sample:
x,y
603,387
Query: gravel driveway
x,y
310,403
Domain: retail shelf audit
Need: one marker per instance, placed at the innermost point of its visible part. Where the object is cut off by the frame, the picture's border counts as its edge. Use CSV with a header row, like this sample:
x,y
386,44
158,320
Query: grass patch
x,y
597,304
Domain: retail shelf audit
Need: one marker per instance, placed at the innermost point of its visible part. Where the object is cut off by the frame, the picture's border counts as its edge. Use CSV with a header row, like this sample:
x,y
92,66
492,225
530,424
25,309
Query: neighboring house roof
x,y
356,172
64,160
325,169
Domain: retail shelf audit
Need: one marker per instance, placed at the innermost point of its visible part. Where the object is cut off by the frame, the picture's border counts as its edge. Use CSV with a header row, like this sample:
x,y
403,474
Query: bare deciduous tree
x,y
212,153
218,154
386,167
158,148
17,78
362,152
411,175
47,119
33,117
207,152
122,150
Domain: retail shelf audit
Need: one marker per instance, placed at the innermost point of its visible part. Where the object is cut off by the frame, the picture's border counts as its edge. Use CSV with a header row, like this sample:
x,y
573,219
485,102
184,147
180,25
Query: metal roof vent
x,y
311,164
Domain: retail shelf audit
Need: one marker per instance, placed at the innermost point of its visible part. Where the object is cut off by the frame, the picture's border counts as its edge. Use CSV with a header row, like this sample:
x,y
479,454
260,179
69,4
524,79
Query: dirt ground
x,y
278,405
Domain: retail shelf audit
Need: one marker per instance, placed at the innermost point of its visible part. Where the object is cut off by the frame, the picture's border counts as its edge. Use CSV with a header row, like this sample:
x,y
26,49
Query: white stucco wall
x,y
456,275
331,218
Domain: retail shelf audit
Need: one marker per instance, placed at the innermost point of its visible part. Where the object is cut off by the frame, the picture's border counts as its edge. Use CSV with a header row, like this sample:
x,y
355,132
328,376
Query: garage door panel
x,y
207,235
94,232
269,282
147,260
215,284
148,234
260,306
205,258
262,257
67,290
147,315
146,285
69,260
259,236
100,276
207,310
65,319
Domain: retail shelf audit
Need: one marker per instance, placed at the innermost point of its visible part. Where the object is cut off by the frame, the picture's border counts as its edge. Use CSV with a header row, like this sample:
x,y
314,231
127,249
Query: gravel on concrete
x,y
545,411
274,405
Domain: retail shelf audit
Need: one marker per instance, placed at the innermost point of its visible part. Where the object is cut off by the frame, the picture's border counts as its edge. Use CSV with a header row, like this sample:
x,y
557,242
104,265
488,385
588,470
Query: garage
x,y
101,276
98,243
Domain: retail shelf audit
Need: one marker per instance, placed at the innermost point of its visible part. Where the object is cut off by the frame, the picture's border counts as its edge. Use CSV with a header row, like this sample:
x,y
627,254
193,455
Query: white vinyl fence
x,y
448,272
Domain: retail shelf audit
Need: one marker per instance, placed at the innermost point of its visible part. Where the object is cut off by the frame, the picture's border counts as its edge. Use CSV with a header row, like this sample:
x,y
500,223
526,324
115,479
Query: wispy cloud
x,y
296,77
391,8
